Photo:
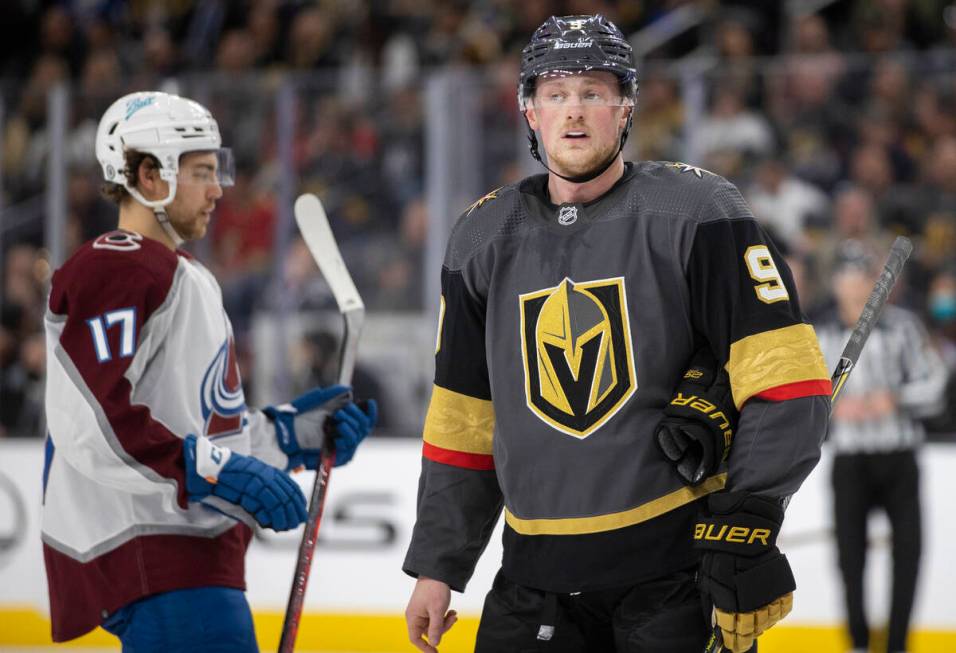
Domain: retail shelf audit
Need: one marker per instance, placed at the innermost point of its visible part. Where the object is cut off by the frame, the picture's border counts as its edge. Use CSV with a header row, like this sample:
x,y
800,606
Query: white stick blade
x,y
315,229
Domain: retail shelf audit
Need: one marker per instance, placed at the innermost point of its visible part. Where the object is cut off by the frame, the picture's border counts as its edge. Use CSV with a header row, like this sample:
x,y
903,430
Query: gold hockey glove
x,y
699,421
742,572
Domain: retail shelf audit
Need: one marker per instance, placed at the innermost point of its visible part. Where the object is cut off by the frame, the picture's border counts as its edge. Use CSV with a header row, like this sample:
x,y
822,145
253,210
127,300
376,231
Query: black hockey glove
x,y
742,572
699,422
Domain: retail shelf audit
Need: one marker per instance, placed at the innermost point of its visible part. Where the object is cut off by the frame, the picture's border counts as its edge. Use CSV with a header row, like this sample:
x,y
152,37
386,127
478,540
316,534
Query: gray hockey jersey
x,y
563,333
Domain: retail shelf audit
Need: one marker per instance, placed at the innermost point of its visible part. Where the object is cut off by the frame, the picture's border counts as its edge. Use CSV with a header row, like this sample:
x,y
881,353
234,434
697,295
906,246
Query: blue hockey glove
x,y
302,425
350,425
266,493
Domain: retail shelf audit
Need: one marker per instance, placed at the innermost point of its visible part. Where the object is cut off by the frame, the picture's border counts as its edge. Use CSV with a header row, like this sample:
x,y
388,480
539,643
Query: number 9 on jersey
x,y
761,267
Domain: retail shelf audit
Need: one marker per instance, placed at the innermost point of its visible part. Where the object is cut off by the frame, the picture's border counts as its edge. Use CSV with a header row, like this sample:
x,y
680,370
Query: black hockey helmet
x,y
576,43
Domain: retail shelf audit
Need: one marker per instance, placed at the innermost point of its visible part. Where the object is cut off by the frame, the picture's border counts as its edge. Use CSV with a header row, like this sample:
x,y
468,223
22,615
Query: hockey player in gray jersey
x,y
572,305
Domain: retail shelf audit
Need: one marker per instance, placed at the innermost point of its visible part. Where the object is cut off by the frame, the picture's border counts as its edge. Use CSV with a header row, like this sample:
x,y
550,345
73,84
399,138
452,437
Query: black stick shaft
x,y
901,250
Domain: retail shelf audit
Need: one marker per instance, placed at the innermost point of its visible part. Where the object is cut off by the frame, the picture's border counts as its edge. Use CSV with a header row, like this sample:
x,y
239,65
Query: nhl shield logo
x,y
222,400
577,354
568,215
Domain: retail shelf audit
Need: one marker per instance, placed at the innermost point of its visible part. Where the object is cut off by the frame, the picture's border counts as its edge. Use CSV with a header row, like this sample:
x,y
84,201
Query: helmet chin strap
x,y
159,211
588,176
163,219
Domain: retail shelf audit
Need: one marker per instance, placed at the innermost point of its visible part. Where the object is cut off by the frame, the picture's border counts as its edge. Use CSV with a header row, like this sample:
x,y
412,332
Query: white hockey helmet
x,y
165,126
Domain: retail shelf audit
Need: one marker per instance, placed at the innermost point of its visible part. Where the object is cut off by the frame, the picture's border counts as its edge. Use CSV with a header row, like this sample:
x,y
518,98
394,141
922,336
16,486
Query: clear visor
x,y
586,88
207,167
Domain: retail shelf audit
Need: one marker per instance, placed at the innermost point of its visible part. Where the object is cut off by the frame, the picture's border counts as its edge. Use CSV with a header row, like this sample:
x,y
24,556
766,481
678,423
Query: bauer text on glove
x,y
699,421
742,572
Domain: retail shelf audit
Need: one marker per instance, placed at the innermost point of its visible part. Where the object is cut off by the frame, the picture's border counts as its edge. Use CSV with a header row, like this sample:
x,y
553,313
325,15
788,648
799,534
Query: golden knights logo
x,y
576,346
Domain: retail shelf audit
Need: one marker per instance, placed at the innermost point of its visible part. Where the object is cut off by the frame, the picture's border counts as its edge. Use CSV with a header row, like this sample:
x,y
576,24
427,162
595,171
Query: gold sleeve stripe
x,y
459,422
774,358
615,520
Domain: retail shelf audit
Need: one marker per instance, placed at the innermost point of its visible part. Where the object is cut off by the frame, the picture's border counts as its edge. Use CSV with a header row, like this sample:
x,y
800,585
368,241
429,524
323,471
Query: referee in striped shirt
x,y
875,432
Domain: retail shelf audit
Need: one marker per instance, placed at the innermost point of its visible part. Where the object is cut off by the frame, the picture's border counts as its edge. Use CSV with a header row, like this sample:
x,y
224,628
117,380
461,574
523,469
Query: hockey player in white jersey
x,y
156,470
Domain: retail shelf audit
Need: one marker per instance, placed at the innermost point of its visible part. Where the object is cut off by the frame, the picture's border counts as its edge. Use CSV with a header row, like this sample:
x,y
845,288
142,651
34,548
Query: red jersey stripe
x,y
812,388
477,461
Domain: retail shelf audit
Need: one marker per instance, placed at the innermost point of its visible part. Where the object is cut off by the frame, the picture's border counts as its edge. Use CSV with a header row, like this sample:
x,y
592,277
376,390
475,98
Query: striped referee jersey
x,y
898,357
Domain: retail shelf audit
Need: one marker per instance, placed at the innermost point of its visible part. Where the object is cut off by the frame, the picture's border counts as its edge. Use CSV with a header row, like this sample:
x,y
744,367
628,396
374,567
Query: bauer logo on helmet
x,y
565,45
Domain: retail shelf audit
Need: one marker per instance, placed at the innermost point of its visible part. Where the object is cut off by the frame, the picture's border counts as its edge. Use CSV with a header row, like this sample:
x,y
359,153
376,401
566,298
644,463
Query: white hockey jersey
x,y
140,353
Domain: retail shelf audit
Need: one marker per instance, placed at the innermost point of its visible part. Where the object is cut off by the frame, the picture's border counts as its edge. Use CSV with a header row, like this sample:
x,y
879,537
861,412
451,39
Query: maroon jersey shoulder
x,y
118,265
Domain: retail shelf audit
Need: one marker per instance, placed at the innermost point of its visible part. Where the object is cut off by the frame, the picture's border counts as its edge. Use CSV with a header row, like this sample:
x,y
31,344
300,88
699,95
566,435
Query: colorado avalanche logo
x,y
223,404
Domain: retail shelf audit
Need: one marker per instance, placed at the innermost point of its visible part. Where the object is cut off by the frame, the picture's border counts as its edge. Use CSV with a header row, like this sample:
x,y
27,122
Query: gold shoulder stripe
x,y
459,422
615,520
774,358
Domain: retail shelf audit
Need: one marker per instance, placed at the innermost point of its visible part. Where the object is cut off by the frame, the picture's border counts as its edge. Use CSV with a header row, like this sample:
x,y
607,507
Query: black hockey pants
x,y
659,616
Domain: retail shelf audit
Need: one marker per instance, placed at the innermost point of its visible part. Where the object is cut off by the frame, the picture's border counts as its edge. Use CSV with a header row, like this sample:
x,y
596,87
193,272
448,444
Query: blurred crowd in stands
x,y
835,125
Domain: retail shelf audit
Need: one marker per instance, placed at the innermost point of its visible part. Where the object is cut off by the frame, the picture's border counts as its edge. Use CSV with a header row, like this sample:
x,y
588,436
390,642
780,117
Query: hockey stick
x,y
314,226
899,252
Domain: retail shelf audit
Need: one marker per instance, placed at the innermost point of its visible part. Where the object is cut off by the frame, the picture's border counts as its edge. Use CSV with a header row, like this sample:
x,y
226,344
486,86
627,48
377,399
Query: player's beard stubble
x,y
575,160
189,214
190,226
